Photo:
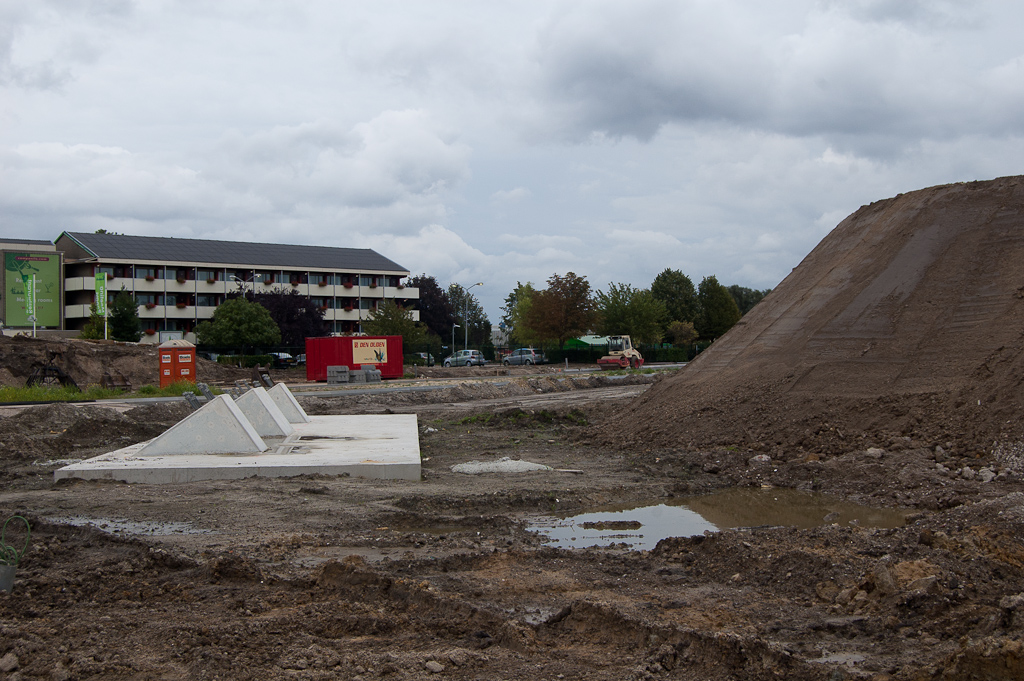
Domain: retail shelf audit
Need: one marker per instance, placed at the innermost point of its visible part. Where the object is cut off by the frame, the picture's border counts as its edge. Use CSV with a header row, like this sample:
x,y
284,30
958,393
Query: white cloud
x,y
502,143
511,195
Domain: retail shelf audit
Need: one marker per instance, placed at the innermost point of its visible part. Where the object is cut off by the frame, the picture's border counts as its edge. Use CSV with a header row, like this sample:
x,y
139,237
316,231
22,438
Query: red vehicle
x,y
383,352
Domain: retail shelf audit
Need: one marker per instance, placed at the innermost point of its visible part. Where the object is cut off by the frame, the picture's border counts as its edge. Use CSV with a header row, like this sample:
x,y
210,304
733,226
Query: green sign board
x,y
21,299
101,294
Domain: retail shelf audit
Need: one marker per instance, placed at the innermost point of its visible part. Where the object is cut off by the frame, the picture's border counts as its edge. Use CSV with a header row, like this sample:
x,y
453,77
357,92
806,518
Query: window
x,y
181,274
149,273
207,275
367,280
208,300
148,299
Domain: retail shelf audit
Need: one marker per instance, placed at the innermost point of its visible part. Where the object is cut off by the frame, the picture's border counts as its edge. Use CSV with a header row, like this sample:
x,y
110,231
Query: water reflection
x,y
643,527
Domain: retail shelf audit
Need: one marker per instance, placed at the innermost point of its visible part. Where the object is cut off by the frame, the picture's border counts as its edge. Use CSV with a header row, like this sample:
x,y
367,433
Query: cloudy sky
x,y
502,141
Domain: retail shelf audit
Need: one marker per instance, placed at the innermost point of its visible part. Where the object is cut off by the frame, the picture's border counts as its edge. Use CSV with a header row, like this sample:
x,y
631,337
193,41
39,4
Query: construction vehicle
x,y
621,354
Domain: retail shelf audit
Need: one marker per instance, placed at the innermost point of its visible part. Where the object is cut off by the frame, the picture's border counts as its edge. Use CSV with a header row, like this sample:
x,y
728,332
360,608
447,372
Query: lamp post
x,y
465,316
241,284
454,326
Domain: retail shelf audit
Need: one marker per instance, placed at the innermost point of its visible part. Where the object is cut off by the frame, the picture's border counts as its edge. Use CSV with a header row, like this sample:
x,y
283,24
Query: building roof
x,y
5,241
208,251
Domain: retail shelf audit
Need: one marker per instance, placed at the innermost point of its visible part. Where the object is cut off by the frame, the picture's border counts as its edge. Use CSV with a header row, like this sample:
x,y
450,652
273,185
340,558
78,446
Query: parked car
x,y
524,356
464,358
282,360
300,359
427,358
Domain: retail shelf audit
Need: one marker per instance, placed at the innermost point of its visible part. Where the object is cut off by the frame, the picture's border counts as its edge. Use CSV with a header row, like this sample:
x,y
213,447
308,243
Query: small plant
x,y
150,277
10,555
181,280
211,281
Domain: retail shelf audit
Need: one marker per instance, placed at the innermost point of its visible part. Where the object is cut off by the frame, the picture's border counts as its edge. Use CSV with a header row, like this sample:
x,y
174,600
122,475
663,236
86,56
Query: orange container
x,y
177,362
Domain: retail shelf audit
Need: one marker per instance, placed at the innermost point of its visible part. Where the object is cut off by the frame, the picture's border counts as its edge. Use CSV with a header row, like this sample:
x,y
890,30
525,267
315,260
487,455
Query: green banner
x,y
101,294
21,300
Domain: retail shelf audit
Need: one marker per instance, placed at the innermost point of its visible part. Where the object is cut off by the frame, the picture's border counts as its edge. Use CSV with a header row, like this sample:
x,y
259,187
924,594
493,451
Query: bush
x,y
245,361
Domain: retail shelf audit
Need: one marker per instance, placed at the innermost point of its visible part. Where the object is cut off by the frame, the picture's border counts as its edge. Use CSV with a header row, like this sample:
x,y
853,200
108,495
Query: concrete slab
x,y
263,414
218,427
384,446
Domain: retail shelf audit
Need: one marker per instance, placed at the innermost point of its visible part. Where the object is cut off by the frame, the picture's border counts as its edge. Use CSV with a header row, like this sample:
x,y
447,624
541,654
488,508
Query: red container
x,y
383,352
177,362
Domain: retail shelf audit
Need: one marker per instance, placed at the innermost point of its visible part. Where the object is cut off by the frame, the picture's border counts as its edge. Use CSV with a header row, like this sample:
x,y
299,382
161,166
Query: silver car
x,y
524,356
464,358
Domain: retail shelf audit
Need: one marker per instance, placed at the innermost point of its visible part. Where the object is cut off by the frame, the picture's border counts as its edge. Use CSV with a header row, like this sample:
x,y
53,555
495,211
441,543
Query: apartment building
x,y
180,282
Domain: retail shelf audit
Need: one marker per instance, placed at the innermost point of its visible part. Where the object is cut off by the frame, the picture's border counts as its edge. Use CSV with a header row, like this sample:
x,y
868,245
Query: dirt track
x,y
350,578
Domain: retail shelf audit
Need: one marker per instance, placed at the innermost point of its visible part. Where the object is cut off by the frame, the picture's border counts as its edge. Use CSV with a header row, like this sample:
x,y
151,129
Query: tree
x,y
390,319
470,314
718,311
436,312
239,323
747,298
682,333
517,312
297,317
124,318
93,329
636,313
563,310
677,292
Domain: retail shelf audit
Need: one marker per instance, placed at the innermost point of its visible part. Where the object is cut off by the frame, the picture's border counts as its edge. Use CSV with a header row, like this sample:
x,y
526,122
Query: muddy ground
x,y
335,577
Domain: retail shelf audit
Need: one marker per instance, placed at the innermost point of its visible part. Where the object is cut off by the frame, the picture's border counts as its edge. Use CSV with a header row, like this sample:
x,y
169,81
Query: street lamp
x,y
465,316
241,285
454,326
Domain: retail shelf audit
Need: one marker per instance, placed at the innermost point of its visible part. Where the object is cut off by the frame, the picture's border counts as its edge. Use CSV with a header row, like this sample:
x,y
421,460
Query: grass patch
x,y
39,393
476,418
173,390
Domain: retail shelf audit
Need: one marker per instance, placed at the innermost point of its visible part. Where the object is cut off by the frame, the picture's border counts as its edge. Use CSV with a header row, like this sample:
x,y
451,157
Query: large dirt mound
x,y
906,321
86,361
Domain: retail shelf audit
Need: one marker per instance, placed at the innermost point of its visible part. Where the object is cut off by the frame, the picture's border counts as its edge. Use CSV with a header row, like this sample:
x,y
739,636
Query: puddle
x,y
137,527
641,528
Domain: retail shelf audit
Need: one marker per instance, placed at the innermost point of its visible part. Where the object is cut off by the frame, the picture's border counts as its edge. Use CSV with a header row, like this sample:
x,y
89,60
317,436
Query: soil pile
x,y
904,322
86,361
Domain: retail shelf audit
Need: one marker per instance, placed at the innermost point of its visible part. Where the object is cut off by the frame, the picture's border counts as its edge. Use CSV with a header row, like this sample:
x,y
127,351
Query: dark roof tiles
x,y
127,247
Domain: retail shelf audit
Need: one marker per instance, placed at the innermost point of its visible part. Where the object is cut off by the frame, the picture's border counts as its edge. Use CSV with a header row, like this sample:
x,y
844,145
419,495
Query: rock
x,y
885,583
925,585
831,517
827,591
459,657
1012,603
846,595
986,475
8,663
874,452
967,473
759,459
434,667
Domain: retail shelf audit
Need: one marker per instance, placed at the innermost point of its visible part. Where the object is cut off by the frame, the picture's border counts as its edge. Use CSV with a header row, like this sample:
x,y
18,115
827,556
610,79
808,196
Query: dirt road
x,y
318,578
